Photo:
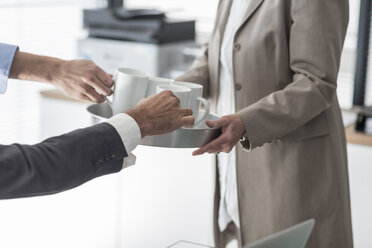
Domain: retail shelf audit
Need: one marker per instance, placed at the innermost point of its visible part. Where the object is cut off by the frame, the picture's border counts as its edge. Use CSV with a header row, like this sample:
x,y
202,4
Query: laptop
x,y
293,237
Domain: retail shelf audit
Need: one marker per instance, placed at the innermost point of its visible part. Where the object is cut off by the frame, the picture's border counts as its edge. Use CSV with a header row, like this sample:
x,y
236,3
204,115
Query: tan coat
x,y
286,58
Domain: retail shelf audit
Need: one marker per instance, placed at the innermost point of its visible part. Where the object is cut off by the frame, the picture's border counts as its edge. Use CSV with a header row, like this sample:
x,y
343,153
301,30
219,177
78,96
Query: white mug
x,y
129,88
182,93
154,82
195,100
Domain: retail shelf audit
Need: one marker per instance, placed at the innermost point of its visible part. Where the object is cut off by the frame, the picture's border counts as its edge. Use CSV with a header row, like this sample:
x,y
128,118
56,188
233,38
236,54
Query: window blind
x,y
368,99
42,27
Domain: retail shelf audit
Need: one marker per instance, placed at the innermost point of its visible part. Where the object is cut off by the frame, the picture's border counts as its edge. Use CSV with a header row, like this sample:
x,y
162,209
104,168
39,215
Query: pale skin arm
x,y
81,79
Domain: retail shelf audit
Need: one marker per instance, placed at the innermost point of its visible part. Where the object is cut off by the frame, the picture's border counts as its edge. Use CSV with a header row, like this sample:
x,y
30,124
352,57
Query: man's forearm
x,y
81,79
34,67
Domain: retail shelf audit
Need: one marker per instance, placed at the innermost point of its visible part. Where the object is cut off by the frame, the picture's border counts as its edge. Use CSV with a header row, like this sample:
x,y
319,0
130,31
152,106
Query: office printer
x,y
148,26
144,39
363,119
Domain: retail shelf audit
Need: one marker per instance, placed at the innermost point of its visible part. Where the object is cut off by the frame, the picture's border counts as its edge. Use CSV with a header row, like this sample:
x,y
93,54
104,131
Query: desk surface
x,y
356,137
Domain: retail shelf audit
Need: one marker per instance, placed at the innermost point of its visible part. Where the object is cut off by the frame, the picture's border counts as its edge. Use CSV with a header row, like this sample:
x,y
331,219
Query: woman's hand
x,y
84,80
232,130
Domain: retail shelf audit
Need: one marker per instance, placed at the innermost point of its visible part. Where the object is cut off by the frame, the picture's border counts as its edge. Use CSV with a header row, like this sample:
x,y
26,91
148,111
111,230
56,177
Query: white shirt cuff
x,y
128,130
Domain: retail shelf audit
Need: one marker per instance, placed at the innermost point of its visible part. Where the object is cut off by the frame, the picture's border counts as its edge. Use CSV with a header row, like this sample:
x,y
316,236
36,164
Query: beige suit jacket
x,y
286,58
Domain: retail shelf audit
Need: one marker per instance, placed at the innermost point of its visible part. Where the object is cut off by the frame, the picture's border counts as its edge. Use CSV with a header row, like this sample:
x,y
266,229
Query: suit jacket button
x,y
237,46
238,86
113,155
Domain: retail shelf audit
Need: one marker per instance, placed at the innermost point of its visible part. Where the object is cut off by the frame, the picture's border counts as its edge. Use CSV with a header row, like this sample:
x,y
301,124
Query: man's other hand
x,y
160,114
84,80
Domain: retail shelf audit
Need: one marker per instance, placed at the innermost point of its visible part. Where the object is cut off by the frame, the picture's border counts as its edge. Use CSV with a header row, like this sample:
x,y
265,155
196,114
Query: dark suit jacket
x,y
60,163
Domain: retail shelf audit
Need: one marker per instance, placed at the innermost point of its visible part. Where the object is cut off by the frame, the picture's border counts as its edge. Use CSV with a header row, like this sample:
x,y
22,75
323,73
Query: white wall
x,y
360,175
164,198
152,204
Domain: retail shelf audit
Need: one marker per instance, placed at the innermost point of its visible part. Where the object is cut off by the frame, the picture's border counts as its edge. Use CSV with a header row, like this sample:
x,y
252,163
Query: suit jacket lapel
x,y
254,4
225,12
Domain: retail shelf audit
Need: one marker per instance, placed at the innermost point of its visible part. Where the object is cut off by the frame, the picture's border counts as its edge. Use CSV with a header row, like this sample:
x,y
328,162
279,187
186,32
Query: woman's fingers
x,y
214,151
218,123
210,146
226,148
217,144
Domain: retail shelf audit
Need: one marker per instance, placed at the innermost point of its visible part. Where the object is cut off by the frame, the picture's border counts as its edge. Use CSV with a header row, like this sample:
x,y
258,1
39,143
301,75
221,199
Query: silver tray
x,y
194,137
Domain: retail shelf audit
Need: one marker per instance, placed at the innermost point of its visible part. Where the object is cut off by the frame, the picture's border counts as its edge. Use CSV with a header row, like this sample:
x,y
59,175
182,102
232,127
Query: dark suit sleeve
x,y
60,163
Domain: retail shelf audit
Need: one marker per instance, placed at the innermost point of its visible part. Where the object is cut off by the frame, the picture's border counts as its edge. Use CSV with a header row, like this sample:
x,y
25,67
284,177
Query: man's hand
x,y
160,114
232,130
78,78
83,79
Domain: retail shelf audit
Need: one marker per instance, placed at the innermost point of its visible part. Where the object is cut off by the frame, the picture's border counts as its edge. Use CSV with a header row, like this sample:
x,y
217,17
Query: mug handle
x,y
206,105
113,89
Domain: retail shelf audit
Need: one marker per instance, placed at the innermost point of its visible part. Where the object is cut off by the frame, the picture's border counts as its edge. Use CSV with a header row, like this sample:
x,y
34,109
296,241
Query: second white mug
x,y
195,100
154,82
182,93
